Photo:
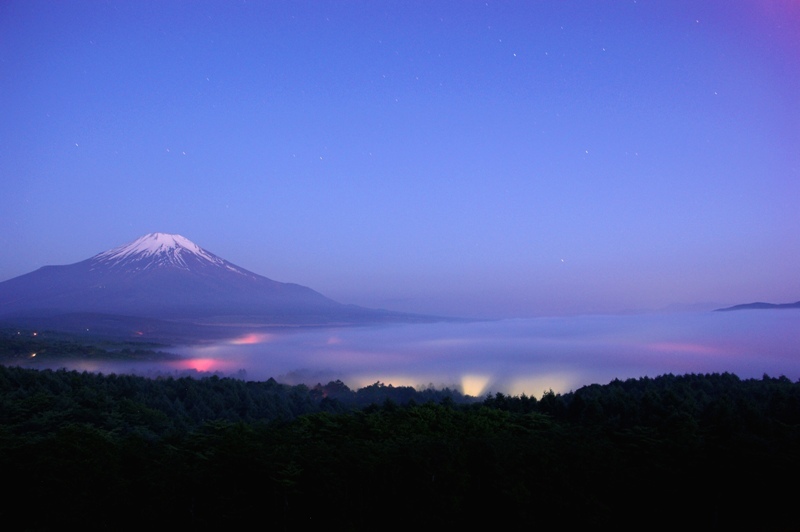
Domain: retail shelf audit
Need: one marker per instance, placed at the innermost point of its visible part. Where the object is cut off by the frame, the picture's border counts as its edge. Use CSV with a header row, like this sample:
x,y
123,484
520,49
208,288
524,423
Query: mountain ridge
x,y
760,306
169,250
169,278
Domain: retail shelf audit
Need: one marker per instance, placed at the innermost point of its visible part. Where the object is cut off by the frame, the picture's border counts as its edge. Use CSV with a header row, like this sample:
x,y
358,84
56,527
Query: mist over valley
x,y
220,318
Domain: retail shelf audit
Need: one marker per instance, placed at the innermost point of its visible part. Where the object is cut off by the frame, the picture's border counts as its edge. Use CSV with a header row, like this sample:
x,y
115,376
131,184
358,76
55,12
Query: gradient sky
x,y
490,159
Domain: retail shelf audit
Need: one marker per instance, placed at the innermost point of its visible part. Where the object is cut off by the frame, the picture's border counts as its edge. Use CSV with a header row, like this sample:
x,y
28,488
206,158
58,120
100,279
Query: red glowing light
x,y
252,338
199,364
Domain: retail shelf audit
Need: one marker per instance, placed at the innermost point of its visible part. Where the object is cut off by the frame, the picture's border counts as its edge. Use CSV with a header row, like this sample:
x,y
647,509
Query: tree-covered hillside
x,y
124,452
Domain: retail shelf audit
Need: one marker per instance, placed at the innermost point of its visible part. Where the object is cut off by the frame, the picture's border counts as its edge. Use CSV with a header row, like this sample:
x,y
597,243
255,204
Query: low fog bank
x,y
518,356
527,356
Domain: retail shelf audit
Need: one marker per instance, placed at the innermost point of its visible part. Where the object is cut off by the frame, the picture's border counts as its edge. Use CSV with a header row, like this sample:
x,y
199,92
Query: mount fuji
x,y
167,279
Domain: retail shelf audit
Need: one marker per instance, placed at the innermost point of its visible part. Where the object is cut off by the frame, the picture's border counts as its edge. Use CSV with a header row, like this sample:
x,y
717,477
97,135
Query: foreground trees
x,y
120,452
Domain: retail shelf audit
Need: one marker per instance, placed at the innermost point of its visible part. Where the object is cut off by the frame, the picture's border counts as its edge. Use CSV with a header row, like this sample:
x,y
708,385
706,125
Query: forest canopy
x,y
111,451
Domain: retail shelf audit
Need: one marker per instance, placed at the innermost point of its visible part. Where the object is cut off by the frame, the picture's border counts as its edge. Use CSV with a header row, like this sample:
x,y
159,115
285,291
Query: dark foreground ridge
x,y
123,452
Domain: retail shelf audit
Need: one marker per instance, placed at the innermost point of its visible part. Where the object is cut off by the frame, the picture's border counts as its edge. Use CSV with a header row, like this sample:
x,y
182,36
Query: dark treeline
x,y
122,452
25,345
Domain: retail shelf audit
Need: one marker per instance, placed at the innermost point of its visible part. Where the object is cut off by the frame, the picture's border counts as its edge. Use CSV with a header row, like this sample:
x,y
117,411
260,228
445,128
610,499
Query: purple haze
x,y
475,158
512,356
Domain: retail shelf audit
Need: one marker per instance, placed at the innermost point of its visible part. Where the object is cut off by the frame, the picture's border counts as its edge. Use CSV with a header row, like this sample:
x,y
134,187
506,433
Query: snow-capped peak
x,y
160,249
151,244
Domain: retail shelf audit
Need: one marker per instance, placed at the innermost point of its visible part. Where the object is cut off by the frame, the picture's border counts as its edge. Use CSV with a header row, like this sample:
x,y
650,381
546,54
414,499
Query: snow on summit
x,y
160,249
151,244
167,277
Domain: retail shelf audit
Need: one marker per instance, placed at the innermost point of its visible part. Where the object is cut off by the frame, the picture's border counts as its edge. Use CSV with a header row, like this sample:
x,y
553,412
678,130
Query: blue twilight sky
x,y
467,158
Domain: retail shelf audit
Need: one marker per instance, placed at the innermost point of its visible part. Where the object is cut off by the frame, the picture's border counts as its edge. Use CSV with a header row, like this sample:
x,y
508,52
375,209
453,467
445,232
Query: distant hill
x,y
164,285
759,305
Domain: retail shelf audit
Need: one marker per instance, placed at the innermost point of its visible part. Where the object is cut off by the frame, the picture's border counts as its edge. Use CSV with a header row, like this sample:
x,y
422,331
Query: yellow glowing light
x,y
474,385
